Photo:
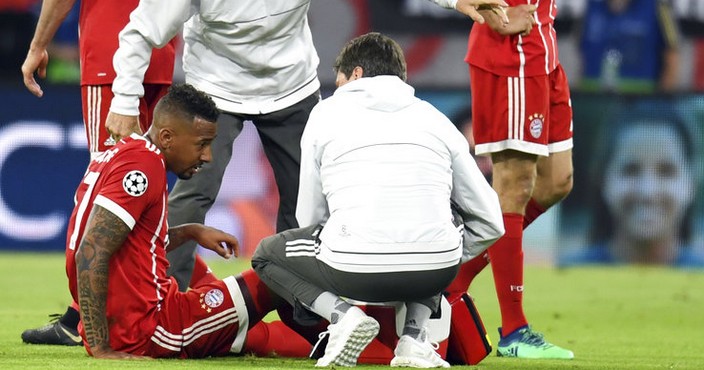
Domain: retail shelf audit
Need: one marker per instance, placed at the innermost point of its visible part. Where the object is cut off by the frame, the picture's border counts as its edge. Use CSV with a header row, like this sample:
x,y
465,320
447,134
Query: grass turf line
x,y
611,317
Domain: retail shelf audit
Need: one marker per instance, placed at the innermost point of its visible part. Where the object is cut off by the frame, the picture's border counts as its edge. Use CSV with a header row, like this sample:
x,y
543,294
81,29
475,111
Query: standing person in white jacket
x,y
256,60
380,172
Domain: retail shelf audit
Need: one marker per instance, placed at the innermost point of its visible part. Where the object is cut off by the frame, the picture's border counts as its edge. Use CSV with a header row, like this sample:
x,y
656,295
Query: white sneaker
x,y
412,353
348,338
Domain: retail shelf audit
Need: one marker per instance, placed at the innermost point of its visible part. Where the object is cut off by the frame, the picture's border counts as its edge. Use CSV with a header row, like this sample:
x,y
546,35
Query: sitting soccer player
x,y
117,241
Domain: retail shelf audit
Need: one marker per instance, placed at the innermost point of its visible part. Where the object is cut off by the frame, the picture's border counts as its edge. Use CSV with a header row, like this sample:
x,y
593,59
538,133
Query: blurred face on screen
x,y
648,183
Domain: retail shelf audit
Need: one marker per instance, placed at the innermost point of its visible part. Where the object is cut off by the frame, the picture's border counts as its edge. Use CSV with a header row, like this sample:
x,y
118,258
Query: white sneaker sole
x,y
362,334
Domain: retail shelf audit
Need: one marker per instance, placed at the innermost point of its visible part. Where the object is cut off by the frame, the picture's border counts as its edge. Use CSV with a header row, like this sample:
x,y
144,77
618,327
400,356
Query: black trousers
x,y
286,263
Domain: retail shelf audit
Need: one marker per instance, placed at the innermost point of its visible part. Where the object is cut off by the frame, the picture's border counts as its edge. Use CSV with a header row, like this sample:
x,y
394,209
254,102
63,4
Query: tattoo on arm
x,y
179,235
104,235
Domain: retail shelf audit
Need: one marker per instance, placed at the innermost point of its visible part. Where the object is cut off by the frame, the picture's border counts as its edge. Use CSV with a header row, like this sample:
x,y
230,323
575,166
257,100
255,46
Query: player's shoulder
x,y
134,150
139,146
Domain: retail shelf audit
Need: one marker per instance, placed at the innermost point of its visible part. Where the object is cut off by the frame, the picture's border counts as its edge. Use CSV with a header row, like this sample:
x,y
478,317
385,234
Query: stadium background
x,y
42,147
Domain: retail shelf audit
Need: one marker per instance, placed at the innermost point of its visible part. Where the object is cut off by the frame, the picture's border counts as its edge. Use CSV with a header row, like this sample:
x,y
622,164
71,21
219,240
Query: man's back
x,y
386,167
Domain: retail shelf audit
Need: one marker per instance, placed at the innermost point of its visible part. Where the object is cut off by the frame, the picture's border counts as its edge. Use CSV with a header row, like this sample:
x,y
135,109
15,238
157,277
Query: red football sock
x,y
533,211
506,257
468,271
257,296
266,339
201,273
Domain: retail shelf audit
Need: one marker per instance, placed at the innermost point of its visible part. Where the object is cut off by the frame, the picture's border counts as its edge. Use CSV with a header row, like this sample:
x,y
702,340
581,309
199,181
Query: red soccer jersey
x,y
129,180
517,56
100,22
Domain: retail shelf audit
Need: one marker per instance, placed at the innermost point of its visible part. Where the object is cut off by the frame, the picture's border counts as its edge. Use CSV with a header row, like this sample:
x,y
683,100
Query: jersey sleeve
x,y
152,25
312,206
131,185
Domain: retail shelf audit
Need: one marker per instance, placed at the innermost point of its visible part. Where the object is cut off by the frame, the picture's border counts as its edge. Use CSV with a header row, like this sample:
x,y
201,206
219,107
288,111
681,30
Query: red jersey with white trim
x,y
129,180
99,23
517,56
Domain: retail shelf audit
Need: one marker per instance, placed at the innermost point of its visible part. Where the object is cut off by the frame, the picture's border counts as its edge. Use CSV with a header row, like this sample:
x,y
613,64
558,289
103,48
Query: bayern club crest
x,y
135,183
213,298
536,124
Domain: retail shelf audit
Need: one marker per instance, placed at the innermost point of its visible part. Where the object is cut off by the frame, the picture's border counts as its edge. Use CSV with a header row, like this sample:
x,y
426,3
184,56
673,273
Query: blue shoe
x,y
527,343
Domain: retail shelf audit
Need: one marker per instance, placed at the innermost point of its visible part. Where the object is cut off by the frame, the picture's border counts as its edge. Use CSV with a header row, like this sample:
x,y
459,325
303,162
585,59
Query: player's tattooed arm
x,y
104,235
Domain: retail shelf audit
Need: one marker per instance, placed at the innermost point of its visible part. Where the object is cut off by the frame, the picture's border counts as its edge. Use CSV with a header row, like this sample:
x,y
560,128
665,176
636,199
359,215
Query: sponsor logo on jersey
x,y
135,183
536,124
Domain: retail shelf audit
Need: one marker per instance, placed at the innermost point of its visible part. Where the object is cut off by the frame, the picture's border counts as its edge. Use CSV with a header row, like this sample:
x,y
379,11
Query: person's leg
x,y
191,199
514,176
514,122
555,172
211,320
287,263
414,348
553,181
275,339
280,133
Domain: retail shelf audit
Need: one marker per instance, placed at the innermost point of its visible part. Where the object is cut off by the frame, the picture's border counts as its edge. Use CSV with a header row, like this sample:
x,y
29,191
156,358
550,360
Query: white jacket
x,y
379,168
250,56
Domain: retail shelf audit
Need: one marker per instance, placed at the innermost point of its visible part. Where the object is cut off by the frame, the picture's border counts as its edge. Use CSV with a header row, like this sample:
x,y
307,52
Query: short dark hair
x,y
190,102
375,53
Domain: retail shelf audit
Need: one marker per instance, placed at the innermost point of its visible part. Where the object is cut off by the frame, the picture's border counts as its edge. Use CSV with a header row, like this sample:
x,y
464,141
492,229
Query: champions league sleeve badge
x,y
135,183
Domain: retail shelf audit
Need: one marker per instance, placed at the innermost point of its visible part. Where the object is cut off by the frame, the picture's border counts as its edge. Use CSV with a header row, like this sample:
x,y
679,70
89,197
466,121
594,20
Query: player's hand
x,y
114,355
523,17
472,8
120,126
521,20
220,242
36,61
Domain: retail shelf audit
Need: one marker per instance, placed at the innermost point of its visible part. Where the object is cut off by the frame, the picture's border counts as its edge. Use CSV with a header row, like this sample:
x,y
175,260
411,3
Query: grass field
x,y
612,318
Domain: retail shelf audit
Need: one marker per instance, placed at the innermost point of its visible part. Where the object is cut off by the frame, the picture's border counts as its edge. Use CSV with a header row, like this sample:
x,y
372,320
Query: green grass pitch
x,y
612,318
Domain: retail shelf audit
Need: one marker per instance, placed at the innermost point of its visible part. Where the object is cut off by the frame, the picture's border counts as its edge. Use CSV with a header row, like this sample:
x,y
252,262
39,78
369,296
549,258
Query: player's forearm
x,y
181,234
104,235
51,16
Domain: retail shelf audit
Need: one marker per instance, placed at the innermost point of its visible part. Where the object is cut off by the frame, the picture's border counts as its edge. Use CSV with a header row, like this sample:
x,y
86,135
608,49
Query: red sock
x,y
533,211
201,273
260,300
506,257
468,271
266,339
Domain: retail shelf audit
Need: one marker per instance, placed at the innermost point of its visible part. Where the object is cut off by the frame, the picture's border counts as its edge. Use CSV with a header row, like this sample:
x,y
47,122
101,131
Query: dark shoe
x,y
54,333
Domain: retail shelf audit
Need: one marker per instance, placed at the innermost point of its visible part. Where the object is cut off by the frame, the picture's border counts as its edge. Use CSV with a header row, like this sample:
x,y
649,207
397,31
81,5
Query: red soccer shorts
x,y
96,105
208,321
530,114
